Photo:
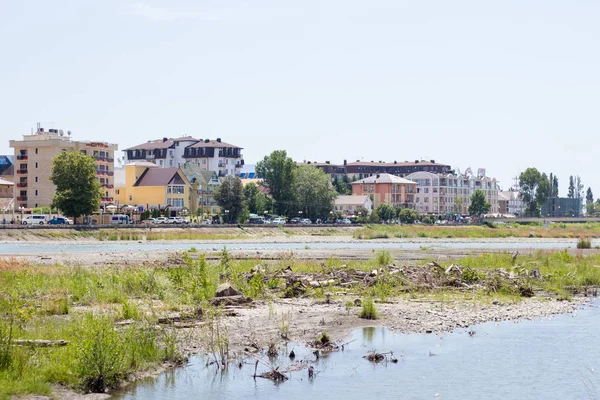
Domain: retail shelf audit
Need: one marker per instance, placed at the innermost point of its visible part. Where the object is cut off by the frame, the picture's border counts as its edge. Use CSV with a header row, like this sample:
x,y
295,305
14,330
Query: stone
x,y
225,290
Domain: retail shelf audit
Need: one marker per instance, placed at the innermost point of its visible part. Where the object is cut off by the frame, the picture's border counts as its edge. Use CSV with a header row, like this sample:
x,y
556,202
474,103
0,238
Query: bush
x,y
100,359
368,309
584,244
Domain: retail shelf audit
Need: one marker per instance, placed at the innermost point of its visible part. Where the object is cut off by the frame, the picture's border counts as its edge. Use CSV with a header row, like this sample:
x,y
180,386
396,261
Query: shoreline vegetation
x,y
589,230
95,329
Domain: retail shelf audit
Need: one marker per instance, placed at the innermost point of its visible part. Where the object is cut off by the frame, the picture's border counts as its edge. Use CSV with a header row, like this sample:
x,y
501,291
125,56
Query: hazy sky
x,y
503,85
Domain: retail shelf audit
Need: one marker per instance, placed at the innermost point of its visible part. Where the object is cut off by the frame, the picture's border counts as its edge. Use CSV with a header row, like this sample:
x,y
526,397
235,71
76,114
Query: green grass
x,y
368,309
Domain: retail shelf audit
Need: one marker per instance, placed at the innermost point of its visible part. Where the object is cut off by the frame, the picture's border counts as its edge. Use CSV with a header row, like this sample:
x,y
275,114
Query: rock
x,y
225,289
230,300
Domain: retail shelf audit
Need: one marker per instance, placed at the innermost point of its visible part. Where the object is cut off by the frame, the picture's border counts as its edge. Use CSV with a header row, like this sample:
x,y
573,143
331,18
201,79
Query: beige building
x,y
33,165
448,194
351,204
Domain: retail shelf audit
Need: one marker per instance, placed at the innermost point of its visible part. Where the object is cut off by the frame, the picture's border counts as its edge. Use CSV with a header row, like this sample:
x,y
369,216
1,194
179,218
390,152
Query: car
x,y
256,220
149,221
60,221
161,220
343,221
173,220
278,221
294,220
34,220
305,221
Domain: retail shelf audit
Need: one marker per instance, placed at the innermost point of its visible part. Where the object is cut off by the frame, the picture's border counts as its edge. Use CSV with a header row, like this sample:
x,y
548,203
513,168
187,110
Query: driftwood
x,y
40,343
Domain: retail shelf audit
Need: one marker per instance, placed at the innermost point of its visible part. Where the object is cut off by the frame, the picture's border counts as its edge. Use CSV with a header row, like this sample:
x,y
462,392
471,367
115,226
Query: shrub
x,y
368,309
130,310
383,257
584,244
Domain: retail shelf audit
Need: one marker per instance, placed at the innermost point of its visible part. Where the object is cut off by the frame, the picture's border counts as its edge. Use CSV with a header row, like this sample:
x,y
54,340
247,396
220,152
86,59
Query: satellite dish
x,y
69,133
61,133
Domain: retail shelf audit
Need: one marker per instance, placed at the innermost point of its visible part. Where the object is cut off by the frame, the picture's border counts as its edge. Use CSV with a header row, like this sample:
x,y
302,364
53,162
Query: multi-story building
x,y
352,204
33,165
449,194
333,170
510,203
363,169
165,152
555,207
215,155
387,189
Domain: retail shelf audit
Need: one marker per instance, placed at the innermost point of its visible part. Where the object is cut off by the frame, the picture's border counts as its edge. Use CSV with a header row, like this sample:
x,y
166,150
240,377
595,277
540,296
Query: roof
x,y
352,200
213,143
153,144
392,164
157,177
385,178
5,182
142,164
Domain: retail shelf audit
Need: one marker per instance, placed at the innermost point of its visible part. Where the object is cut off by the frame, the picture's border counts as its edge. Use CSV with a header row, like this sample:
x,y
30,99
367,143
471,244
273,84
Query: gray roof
x,y
352,200
384,178
213,143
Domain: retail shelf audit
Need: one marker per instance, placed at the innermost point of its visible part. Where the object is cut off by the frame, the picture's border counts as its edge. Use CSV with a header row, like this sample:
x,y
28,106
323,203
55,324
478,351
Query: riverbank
x,y
138,317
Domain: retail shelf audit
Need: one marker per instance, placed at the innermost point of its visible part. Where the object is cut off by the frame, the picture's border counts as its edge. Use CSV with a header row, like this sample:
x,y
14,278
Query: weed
x,y
130,310
584,244
216,338
383,257
368,309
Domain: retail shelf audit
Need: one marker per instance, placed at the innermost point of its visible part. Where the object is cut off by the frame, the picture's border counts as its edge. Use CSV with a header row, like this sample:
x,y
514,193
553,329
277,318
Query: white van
x,y
35,220
120,219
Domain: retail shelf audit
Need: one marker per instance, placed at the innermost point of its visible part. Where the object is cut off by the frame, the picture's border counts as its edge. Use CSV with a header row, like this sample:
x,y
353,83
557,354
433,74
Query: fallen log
x,y
40,343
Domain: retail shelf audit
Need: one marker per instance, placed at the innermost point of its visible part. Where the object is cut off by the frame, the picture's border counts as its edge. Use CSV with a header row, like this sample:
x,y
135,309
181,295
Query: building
x,y
7,168
33,165
555,207
204,184
387,189
350,204
362,169
148,186
333,170
450,194
165,152
510,203
6,195
215,155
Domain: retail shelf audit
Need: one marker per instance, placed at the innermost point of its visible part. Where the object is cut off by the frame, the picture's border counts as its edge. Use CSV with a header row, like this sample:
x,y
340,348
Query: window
x,y
130,198
36,165
36,192
36,179
36,151
117,191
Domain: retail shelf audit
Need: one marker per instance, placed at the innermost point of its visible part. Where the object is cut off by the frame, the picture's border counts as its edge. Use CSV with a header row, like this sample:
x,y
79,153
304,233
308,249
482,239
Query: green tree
x,y
251,196
479,206
230,196
408,215
578,187
533,190
77,189
555,187
571,193
385,212
458,205
277,171
314,193
589,196
342,186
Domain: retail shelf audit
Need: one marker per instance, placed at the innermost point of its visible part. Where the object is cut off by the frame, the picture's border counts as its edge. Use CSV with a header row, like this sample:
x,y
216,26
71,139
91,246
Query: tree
x,y
255,199
314,193
479,205
578,187
533,190
277,170
589,196
555,187
408,215
458,205
230,196
342,186
571,194
385,212
77,189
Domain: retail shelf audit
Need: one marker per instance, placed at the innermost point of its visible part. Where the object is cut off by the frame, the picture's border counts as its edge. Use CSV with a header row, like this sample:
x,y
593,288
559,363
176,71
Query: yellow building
x,y
149,186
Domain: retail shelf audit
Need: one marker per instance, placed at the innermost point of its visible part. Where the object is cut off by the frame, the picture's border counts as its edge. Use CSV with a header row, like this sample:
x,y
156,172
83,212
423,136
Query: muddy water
x,y
24,248
552,358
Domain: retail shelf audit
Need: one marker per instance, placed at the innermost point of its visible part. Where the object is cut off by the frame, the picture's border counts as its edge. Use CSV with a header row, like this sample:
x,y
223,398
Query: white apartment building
x,y
445,194
165,152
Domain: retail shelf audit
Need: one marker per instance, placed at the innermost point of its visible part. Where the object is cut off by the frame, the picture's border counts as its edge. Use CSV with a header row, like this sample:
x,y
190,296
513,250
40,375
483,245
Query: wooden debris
x,y
40,343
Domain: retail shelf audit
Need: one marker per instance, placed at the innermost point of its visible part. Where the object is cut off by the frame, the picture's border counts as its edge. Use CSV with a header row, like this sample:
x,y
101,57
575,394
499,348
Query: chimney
x,y
165,139
395,162
327,162
206,140
345,162
432,161
219,139
416,161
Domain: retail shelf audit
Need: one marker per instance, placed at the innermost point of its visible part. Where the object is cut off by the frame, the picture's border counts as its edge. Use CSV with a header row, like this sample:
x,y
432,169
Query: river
x,y
549,358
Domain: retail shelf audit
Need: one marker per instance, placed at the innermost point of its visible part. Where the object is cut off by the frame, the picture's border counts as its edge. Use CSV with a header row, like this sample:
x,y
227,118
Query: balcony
x,y
110,173
104,159
22,184
107,199
22,198
22,171
22,157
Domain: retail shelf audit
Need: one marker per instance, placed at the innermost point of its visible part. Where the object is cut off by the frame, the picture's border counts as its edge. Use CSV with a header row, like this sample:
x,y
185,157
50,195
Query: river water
x,y
24,248
551,358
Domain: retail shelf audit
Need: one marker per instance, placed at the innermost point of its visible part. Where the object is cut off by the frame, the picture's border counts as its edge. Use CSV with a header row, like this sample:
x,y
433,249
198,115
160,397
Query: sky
x,y
498,85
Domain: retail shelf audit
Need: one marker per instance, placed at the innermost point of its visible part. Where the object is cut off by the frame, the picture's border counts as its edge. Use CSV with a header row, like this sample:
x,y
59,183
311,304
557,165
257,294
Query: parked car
x,y
35,220
60,221
161,220
149,221
343,221
256,220
294,220
279,221
305,221
120,219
